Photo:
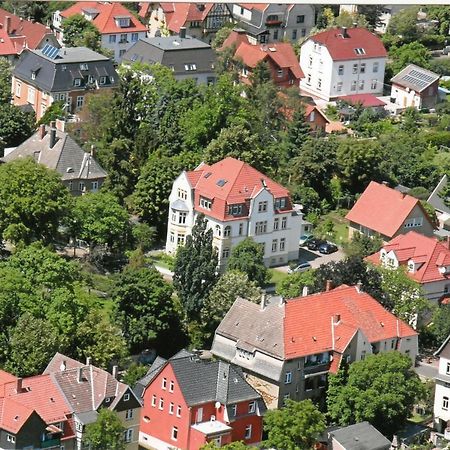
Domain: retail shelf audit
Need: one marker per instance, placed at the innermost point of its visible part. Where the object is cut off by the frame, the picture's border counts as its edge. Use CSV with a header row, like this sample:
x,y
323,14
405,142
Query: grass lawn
x,y
417,418
277,275
340,229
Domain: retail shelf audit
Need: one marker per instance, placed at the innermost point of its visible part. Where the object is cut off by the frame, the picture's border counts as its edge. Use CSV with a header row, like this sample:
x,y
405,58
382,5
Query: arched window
x,y
218,230
227,231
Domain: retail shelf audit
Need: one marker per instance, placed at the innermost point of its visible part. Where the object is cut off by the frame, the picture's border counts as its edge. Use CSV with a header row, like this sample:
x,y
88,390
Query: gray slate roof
x,y
173,51
66,156
361,436
57,75
253,328
444,350
435,200
152,372
415,78
203,381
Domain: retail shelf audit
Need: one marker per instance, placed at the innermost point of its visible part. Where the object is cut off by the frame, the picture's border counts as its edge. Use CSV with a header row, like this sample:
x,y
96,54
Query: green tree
x,y
99,219
248,257
195,271
79,32
295,427
372,14
298,131
5,81
15,125
404,25
413,53
32,344
231,284
106,432
292,286
361,245
232,446
33,201
145,308
381,389
441,324
404,296
53,112
144,236
134,373
261,73
100,339
410,120
221,36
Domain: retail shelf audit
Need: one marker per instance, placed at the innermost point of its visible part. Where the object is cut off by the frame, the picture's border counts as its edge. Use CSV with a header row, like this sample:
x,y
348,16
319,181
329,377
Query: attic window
x,y
126,397
33,75
107,399
208,175
360,51
84,66
190,66
221,182
69,170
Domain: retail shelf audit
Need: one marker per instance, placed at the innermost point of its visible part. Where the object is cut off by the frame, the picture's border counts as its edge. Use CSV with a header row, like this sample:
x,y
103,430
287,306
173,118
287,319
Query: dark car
x,y
327,248
315,243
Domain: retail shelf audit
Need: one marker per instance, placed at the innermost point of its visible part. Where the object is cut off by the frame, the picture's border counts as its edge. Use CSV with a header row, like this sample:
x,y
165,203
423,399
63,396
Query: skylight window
x,y
360,51
207,175
221,182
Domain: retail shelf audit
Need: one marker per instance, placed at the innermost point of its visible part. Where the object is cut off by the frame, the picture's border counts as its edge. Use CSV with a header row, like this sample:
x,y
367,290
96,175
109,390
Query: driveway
x,y
316,259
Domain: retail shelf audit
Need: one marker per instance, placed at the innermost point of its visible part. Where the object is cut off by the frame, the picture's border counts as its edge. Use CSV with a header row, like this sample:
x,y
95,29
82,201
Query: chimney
x,y
359,287
305,291
263,301
93,151
447,242
19,388
385,183
8,24
115,371
52,134
282,302
328,285
60,125
80,374
41,131
182,32
336,319
62,367
344,32
88,361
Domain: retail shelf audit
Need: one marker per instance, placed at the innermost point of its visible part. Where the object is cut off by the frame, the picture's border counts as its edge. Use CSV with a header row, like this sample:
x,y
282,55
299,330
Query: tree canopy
x,y
107,432
79,32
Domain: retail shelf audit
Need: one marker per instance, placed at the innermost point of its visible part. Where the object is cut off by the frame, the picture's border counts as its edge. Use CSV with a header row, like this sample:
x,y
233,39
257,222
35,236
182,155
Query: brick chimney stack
x,y
8,24
41,131
328,286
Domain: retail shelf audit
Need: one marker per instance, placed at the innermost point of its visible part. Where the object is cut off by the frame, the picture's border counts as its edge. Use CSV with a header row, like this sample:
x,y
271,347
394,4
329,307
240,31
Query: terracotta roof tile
x,y
13,415
104,21
421,249
382,209
366,100
344,48
258,6
308,321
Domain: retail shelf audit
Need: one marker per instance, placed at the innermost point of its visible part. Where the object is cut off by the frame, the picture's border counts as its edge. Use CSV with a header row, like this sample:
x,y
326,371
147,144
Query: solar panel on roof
x,y
421,75
50,51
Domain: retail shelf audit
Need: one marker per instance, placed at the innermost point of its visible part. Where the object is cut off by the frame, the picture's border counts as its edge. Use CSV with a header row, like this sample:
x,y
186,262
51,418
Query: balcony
x,y
273,22
49,443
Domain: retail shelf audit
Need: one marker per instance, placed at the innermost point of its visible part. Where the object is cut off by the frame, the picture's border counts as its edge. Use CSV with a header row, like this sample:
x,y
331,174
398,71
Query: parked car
x,y
299,267
327,248
314,244
304,239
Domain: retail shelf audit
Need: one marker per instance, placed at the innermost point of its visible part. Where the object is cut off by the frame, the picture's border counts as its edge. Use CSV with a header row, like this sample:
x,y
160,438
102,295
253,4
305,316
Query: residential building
x,y
426,260
280,57
201,20
351,103
442,390
383,211
358,436
186,56
34,414
118,27
80,172
42,77
438,203
86,389
288,349
17,34
238,202
414,87
340,61
189,402
316,119
274,22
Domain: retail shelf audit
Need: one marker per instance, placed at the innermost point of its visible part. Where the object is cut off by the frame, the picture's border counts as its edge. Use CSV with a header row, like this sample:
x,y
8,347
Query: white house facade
x,y
247,204
341,62
442,392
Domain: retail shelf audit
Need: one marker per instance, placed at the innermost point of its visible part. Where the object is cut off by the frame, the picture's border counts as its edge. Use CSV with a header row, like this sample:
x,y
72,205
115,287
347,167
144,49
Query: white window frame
x,y
161,404
31,95
288,378
128,435
445,403
252,407
284,223
18,90
129,414
174,434
341,69
248,432
171,406
164,383
154,400
11,438
126,397
80,101
77,82
178,411
171,386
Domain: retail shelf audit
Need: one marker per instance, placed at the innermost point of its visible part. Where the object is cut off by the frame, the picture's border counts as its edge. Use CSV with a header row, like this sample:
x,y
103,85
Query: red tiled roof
x,y
143,9
310,108
42,395
104,20
308,321
258,6
344,48
177,14
366,100
235,38
7,45
242,183
32,32
383,209
335,363
427,251
13,415
282,55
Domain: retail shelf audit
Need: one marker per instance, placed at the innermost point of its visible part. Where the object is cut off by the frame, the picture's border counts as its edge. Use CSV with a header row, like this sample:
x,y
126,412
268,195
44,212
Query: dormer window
x,y
102,80
33,75
411,266
360,51
190,67
84,66
123,22
77,82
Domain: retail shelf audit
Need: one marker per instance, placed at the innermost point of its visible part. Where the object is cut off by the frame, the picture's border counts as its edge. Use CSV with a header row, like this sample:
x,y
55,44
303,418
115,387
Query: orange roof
x,y
235,38
32,32
143,9
42,395
104,20
427,251
310,108
258,6
13,415
383,209
308,321
177,14
242,182
282,54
